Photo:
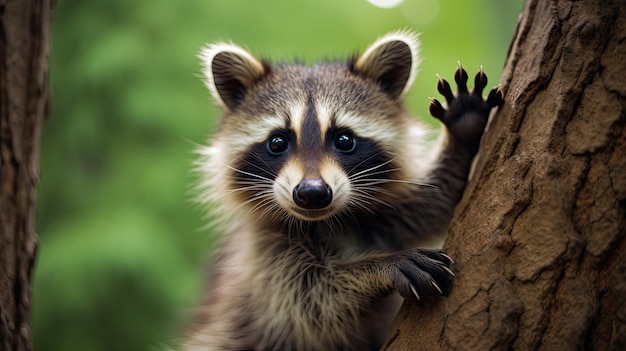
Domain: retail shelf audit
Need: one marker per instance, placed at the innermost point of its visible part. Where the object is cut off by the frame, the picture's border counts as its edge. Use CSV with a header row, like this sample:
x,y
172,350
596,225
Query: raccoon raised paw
x,y
421,272
467,113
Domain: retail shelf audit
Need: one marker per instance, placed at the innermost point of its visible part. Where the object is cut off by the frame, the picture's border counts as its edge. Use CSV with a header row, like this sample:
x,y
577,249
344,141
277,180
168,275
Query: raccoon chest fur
x,y
290,297
324,188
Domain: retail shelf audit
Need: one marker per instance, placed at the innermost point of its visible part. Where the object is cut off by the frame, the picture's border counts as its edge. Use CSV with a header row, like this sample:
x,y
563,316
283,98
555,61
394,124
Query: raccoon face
x,y
311,142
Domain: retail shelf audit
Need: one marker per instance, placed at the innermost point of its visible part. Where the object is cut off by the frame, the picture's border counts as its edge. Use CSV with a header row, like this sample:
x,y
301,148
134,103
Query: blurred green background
x,y
122,246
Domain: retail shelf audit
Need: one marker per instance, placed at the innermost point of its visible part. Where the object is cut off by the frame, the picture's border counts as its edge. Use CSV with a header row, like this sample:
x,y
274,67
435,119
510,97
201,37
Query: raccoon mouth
x,y
313,215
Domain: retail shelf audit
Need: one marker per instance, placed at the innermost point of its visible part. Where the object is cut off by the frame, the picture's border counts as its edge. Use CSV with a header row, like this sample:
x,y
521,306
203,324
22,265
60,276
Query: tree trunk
x,y
538,236
24,46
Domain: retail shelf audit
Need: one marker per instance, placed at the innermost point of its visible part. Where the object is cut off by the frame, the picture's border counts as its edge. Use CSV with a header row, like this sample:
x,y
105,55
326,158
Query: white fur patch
x,y
324,116
385,132
296,116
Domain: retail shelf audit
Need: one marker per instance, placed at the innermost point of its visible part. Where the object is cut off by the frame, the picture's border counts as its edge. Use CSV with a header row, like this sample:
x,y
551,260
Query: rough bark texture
x,y
24,41
538,238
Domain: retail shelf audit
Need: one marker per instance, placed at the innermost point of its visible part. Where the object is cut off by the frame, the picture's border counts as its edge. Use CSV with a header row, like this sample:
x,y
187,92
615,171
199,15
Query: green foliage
x,y
122,247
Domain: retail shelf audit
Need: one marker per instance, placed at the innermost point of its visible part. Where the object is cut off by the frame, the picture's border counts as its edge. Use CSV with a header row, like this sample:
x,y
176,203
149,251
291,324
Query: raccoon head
x,y
312,142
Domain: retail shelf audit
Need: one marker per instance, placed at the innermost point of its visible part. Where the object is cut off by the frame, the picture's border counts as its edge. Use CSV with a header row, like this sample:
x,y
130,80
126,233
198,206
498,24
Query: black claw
x,y
495,97
435,108
444,89
460,77
480,82
421,272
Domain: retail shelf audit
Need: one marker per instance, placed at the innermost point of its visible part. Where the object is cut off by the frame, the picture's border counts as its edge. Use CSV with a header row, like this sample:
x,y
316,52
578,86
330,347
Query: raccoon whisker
x,y
276,212
372,188
234,211
249,173
376,191
368,176
269,169
263,200
262,197
362,197
370,181
252,184
286,216
367,197
369,158
377,181
250,180
364,204
362,207
414,182
368,170
257,193
291,224
365,160
296,226
268,210
257,186
363,176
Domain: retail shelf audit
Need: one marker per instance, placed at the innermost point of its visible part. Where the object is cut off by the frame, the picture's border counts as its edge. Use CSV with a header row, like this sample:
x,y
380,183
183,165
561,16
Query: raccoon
x,y
325,188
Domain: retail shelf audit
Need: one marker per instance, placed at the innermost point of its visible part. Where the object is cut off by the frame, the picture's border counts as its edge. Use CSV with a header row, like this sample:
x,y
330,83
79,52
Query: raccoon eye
x,y
277,144
344,142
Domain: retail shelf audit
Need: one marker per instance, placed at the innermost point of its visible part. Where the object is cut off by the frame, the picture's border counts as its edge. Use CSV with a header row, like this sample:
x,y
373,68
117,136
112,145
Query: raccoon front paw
x,y
421,272
467,112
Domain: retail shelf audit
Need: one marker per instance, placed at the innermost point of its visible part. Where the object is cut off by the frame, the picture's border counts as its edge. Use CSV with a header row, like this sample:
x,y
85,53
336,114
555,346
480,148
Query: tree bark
x,y
24,47
538,237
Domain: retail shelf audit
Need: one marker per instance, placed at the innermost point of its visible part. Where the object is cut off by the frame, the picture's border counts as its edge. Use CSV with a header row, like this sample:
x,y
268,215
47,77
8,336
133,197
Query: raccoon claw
x,y
444,89
480,82
495,97
435,108
460,77
421,272
467,113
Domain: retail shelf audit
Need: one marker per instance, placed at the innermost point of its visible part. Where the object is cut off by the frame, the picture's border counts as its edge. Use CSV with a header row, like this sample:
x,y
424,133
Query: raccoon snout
x,y
312,194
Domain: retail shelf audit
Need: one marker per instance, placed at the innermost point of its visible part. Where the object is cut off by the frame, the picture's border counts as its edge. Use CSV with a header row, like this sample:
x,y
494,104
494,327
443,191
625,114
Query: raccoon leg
x,y
416,272
465,119
467,112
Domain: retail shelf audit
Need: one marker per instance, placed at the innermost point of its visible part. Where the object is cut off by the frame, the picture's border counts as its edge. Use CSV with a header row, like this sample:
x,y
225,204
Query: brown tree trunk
x,y
24,47
538,238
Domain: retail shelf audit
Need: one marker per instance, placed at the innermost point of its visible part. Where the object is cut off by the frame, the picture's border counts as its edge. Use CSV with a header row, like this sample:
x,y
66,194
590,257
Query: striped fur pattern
x,y
324,187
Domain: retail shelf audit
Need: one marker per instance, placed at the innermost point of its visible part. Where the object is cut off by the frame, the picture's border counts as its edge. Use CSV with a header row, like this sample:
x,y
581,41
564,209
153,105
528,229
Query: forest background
x,y
122,245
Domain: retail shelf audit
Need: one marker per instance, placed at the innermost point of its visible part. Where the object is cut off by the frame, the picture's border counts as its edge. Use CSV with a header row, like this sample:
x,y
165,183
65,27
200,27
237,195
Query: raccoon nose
x,y
312,194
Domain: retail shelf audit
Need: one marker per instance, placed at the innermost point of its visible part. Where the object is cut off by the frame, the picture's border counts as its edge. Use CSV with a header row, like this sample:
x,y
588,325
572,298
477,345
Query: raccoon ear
x,y
230,72
391,62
